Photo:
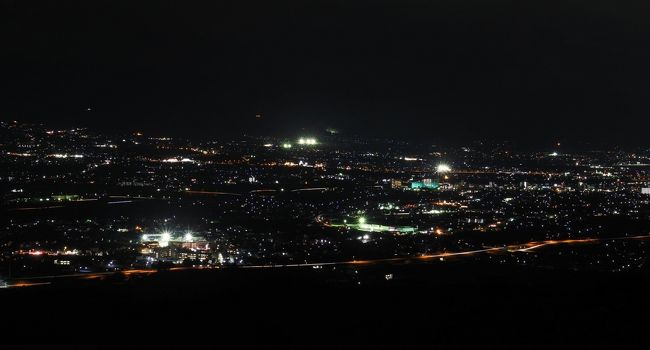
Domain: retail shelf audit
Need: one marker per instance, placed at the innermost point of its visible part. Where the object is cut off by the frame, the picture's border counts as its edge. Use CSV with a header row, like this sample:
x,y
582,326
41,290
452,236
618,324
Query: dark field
x,y
448,303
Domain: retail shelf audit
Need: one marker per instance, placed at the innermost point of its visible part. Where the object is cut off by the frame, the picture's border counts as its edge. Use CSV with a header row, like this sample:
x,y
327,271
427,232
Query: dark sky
x,y
535,71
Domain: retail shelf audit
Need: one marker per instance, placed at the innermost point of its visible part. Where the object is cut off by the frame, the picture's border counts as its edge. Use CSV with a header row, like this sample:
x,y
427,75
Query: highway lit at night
x,y
527,247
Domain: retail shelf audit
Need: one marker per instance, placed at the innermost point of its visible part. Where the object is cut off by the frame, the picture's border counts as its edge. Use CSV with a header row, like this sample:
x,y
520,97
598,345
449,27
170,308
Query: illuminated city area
x,y
327,210
134,202
412,174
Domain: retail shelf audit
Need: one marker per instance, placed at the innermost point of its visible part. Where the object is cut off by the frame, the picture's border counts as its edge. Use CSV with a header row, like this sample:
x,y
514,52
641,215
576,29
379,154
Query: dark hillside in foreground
x,y
424,304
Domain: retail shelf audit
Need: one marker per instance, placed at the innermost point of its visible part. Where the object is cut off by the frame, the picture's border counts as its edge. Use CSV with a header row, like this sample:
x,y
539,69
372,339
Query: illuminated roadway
x,y
515,248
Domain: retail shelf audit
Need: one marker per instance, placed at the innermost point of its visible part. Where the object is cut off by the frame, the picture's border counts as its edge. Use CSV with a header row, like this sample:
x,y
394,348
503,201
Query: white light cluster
x,y
65,155
443,168
176,160
306,141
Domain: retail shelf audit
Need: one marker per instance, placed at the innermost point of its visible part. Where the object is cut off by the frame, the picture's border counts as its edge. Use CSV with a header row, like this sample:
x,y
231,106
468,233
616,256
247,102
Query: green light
x,y
362,220
431,185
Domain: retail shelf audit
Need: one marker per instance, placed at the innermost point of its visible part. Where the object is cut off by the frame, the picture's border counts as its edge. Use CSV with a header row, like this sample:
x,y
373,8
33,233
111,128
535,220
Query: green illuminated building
x,y
425,184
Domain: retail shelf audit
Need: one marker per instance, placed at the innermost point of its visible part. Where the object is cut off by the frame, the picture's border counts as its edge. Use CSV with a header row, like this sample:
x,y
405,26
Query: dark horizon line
x,y
505,143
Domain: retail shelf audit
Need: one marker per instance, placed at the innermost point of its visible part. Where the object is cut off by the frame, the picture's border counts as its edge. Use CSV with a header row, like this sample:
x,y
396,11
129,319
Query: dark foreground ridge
x,y
379,306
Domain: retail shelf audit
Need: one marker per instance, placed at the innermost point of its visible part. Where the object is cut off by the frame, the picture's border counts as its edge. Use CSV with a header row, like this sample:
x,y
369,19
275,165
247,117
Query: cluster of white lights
x,y
165,237
306,141
65,155
176,160
443,168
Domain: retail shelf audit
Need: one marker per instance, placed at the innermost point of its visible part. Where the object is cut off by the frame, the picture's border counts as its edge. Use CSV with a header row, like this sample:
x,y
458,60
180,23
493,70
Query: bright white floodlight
x,y
443,168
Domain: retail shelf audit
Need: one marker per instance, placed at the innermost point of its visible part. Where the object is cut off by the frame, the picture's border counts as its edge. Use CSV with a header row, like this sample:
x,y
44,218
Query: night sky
x,y
534,71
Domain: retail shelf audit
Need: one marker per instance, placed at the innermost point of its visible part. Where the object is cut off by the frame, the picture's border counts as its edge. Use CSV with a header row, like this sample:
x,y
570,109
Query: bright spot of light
x,y
164,239
443,168
306,141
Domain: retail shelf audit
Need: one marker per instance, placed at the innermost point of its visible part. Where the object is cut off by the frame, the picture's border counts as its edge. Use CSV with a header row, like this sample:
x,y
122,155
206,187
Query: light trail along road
x,y
515,248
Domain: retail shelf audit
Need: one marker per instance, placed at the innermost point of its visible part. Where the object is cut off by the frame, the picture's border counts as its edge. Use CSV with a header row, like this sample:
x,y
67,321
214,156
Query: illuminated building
x,y
166,238
425,184
199,244
193,255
